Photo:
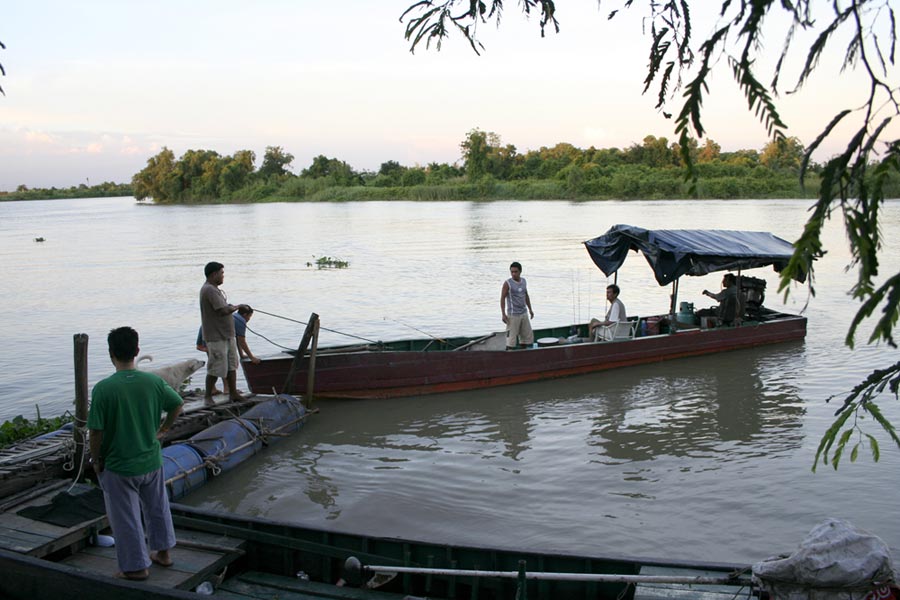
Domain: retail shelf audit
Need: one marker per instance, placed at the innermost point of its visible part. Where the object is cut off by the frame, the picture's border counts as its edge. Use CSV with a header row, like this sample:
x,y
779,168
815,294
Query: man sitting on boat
x,y
515,306
608,328
729,312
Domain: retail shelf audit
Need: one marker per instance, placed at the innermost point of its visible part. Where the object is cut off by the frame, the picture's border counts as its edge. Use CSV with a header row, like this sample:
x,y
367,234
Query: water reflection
x,y
703,407
710,413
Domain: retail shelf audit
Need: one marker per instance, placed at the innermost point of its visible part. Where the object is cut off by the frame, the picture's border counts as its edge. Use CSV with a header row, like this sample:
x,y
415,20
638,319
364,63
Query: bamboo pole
x,y
81,397
585,577
475,341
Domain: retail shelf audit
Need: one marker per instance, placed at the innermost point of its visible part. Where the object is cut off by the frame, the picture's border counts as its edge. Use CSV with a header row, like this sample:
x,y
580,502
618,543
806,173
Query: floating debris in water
x,y
327,262
39,239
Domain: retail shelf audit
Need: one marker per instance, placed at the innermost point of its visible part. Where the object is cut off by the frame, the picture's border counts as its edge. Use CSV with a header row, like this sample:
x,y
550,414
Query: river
x,y
701,458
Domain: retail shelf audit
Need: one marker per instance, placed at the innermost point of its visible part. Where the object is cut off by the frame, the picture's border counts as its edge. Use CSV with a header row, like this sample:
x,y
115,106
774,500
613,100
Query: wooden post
x,y
301,350
311,369
81,397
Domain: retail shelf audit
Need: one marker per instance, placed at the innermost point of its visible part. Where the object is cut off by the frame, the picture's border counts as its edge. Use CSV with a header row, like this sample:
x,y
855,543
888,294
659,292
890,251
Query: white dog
x,y
176,373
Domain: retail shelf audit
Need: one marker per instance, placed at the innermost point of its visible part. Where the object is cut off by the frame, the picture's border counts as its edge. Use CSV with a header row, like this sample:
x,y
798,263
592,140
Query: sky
x,y
95,88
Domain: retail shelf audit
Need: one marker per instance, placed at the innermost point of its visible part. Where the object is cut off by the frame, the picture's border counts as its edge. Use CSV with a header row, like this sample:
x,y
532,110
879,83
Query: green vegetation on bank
x,y
490,170
107,189
19,428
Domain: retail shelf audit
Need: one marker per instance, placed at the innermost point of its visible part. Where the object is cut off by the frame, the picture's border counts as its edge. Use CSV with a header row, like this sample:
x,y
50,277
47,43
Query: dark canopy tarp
x,y
676,252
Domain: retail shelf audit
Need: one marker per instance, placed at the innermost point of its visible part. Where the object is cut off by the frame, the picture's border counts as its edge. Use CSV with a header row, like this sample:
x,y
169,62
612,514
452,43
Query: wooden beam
x,y
311,369
311,326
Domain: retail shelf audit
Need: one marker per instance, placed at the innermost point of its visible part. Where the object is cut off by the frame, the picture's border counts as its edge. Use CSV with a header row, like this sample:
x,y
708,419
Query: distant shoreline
x,y
104,190
542,190
664,185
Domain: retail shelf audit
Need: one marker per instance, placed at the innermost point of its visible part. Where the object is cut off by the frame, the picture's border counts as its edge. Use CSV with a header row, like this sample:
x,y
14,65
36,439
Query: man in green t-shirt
x,y
124,424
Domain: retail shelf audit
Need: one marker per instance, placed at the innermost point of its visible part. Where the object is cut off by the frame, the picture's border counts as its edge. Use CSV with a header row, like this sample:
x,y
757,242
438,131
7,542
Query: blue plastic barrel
x,y
281,414
180,463
229,442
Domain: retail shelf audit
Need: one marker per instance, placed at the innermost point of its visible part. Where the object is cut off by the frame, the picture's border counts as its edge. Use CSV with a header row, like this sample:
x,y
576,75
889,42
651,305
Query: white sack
x,y
833,555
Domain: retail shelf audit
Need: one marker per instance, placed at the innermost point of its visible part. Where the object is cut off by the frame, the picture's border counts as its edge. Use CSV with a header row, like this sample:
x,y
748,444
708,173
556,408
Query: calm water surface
x,y
703,458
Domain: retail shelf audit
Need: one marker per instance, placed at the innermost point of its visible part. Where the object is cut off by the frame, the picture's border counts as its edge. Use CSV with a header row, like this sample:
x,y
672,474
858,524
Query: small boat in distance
x,y
430,365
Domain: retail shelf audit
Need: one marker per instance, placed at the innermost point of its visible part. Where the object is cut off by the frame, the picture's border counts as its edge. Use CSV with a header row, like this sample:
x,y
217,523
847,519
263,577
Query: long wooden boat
x,y
427,366
267,559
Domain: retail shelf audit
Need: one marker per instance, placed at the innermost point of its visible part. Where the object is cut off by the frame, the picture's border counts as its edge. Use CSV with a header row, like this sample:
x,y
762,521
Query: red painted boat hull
x,y
391,374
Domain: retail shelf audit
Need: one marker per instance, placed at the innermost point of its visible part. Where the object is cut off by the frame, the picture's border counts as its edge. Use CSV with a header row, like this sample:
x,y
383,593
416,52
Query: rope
x,y
212,464
276,344
256,310
69,463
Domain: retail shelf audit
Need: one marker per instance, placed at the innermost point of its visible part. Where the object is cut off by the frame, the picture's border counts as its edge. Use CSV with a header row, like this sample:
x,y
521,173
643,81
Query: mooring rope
x,y
256,310
276,344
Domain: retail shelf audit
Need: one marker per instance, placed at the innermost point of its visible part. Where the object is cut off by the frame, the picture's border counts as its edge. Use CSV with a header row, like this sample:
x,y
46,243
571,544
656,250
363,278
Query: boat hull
x,y
275,553
392,373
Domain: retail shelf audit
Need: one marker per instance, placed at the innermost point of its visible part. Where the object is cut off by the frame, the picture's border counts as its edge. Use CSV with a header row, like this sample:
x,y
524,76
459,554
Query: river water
x,y
701,458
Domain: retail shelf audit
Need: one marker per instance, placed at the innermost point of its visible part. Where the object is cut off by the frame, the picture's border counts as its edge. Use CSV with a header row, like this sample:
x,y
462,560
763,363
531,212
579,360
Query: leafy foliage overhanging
x,y
2,70
846,184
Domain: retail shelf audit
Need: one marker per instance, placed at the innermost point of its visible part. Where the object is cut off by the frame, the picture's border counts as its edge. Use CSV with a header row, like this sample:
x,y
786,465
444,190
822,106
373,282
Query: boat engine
x,y
753,294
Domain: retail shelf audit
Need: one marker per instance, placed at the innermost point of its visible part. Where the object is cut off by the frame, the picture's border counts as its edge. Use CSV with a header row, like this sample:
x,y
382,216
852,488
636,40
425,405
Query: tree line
x,y
107,189
488,169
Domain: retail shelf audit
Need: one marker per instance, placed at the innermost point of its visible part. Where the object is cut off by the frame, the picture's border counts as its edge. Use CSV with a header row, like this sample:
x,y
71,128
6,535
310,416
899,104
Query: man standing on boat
x,y
218,332
124,425
515,306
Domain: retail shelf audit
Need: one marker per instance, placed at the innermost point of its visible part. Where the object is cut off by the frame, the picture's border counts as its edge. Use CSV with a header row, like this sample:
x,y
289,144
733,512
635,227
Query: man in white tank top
x,y
615,314
515,306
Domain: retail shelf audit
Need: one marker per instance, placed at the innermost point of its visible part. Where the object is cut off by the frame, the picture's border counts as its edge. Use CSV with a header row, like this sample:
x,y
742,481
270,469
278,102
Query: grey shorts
x,y
223,357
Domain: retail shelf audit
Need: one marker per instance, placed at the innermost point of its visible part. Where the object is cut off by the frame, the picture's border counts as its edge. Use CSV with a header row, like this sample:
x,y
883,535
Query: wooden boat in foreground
x,y
426,366
267,559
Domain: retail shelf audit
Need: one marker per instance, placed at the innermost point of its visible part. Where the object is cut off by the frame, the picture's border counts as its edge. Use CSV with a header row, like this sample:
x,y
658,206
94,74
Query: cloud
x,y
38,137
75,156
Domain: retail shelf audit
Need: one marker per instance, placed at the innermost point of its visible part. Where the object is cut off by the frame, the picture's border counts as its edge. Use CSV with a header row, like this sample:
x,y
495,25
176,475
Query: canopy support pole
x,y
674,302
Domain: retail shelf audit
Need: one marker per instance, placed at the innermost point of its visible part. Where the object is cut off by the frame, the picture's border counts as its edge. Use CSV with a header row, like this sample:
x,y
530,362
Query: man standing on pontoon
x,y
218,332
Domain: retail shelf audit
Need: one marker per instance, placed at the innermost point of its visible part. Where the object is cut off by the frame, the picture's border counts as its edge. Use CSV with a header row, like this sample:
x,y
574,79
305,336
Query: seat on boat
x,y
620,330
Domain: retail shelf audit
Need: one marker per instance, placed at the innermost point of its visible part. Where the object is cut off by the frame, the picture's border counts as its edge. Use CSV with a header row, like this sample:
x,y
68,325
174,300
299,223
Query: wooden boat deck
x,y
199,556
36,538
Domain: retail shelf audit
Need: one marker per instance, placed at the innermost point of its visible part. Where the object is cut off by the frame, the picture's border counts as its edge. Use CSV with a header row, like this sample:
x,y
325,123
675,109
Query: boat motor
x,y
753,294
